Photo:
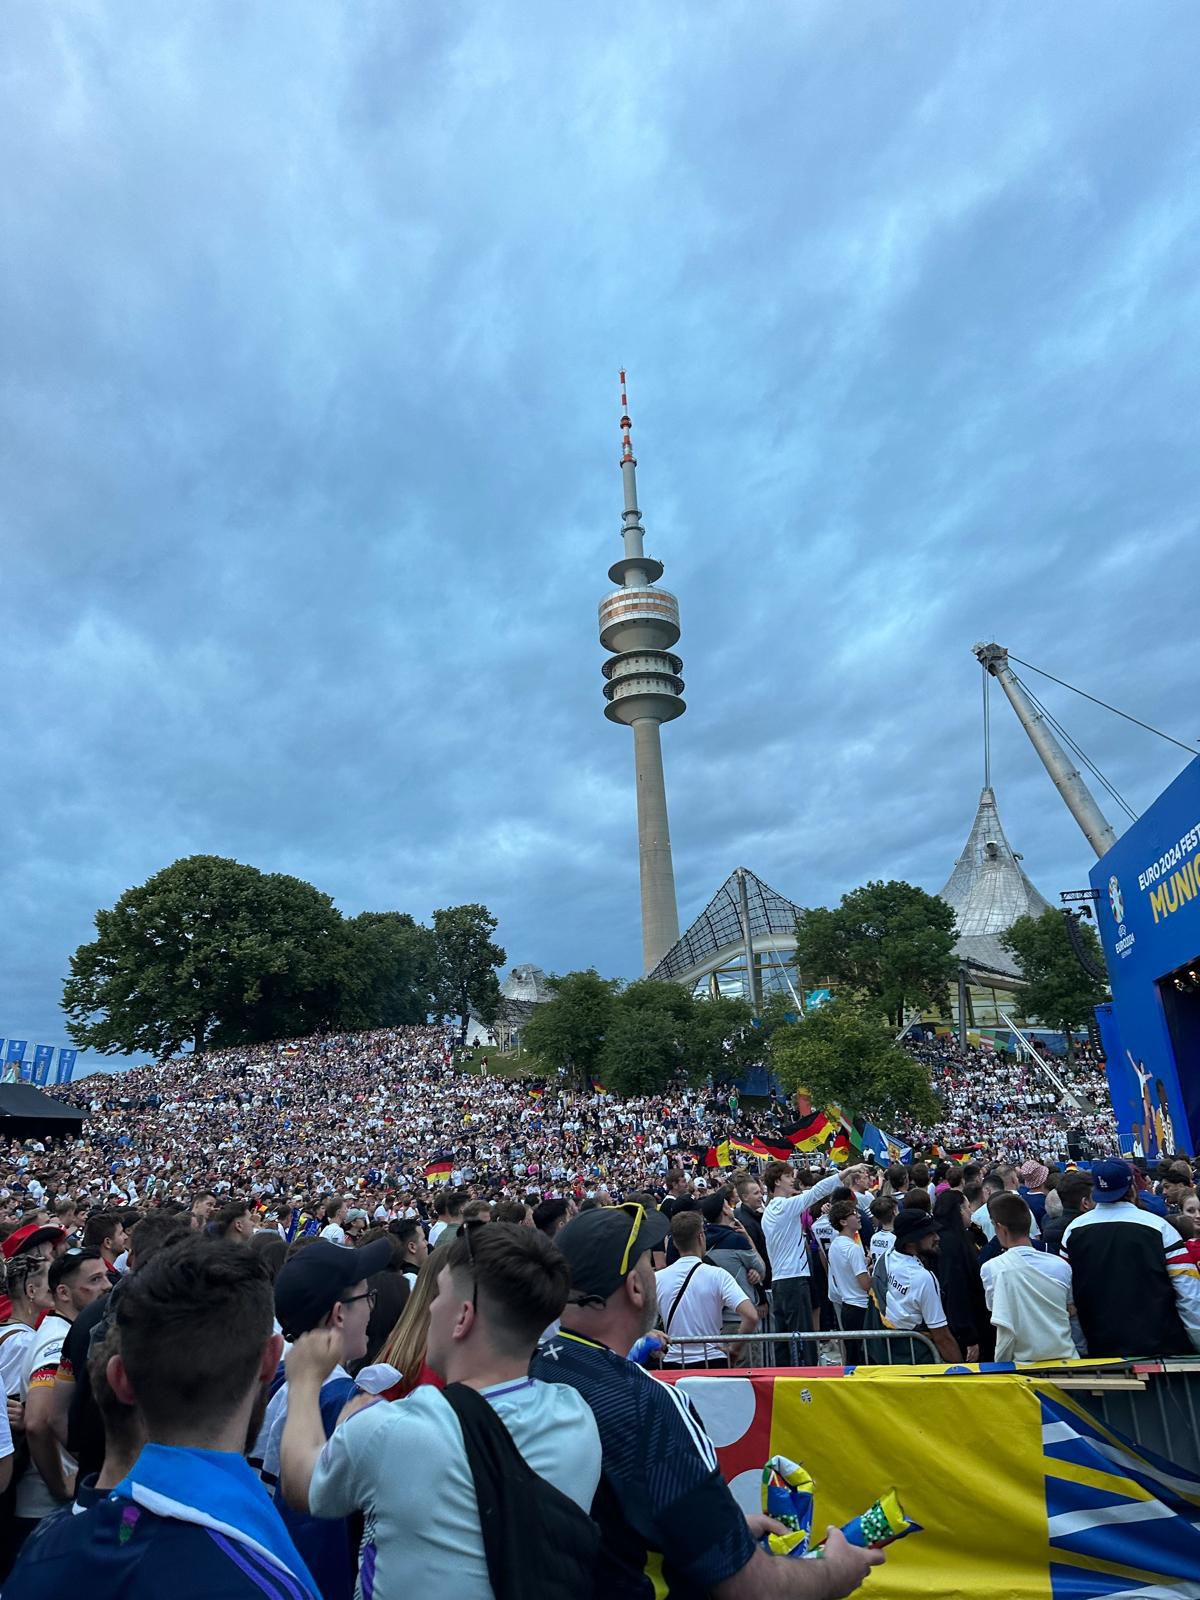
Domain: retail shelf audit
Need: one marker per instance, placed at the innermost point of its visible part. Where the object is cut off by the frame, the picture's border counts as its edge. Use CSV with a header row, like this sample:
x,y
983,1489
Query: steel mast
x,y
1081,803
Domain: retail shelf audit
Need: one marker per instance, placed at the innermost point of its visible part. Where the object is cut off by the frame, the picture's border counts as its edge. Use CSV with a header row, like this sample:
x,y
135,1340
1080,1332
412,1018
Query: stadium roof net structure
x,y
718,937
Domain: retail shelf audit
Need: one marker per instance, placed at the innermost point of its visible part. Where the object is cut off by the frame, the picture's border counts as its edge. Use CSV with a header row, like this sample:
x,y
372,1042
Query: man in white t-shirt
x,y
335,1217
783,1229
911,1297
1029,1292
848,1277
693,1297
500,1287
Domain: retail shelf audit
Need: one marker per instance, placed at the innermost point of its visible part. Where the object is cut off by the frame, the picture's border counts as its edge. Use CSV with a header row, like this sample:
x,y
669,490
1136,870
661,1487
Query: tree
x,y
661,1032
390,971
207,951
466,980
638,1039
889,943
843,1053
569,1030
1058,991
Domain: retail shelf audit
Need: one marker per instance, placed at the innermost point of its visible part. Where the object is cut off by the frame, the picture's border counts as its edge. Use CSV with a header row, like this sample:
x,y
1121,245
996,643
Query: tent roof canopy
x,y
23,1101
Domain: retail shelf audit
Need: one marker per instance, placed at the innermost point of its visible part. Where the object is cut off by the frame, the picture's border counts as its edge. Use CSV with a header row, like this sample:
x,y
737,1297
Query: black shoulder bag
x,y
539,1544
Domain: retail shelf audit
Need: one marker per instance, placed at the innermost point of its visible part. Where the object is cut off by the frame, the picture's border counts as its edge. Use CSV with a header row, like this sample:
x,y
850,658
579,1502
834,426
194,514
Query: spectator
x,y
694,1296
77,1420
326,1287
663,1506
678,1187
551,1215
884,1210
234,1221
499,1286
106,1233
121,1425
906,1290
1032,1188
29,1288
406,1345
958,1276
729,1245
450,1216
1028,1291
1136,1291
784,1232
849,1281
195,1355
335,1216
1074,1192
203,1207
414,1248
76,1278
749,1213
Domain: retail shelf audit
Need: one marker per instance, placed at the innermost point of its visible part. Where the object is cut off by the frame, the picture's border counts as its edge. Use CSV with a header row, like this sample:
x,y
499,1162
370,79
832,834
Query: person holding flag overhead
x,y
783,1228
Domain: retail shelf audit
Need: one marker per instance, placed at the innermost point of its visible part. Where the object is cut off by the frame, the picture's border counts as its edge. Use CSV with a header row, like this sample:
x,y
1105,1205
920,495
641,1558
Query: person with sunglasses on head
x,y
497,1288
323,1286
669,1525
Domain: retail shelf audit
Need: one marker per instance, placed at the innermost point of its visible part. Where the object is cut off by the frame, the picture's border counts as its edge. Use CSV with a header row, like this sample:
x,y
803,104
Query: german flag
x,y
773,1152
809,1133
536,1094
746,1147
439,1171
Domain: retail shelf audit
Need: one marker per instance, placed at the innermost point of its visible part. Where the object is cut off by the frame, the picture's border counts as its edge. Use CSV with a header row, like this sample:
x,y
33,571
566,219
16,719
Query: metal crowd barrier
x,y
771,1344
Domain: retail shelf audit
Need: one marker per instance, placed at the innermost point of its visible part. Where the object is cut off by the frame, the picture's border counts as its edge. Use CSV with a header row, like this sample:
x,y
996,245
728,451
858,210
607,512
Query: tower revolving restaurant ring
x,y
639,619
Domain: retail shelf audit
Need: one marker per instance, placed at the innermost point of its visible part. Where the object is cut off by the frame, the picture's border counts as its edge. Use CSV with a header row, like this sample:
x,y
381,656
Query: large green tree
x,y
207,951
888,943
640,1038
466,982
569,1030
1058,991
845,1053
390,971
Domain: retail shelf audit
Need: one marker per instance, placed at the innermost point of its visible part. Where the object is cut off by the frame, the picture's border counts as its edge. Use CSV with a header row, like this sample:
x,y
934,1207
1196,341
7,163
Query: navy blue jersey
x,y
668,1523
119,1551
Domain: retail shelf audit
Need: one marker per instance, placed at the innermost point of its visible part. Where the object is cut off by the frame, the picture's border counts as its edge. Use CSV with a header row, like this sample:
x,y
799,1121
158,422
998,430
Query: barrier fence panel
x,y
1020,1491
799,1349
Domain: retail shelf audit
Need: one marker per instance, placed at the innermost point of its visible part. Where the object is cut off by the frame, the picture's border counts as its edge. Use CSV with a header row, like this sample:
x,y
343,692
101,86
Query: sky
x,y
311,316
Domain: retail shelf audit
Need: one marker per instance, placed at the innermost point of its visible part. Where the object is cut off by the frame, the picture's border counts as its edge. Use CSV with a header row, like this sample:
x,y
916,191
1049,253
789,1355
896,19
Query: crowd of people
x,y
1011,1108
259,1286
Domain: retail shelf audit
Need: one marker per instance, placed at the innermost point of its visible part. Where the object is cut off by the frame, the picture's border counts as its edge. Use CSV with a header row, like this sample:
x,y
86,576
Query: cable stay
x,y
1137,721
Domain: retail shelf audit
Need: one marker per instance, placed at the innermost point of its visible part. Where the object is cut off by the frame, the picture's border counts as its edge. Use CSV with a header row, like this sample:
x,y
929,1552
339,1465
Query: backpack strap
x,y
494,1461
680,1295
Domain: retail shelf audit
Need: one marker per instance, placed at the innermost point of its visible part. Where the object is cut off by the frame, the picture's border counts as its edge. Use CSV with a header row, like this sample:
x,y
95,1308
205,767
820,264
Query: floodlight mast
x,y
1080,801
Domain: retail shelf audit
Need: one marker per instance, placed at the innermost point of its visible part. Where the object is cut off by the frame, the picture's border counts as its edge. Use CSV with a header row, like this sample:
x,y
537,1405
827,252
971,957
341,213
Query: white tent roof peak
x,y
988,888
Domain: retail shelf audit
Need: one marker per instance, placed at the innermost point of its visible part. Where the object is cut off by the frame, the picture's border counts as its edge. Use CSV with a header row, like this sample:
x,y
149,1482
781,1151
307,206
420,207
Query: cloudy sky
x,y
311,315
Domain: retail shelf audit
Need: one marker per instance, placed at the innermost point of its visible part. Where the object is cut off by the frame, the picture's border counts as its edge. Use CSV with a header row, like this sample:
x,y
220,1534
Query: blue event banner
x,y
66,1066
43,1055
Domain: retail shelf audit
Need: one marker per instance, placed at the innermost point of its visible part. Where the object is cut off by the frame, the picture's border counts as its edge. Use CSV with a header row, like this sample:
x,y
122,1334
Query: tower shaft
x,y
660,917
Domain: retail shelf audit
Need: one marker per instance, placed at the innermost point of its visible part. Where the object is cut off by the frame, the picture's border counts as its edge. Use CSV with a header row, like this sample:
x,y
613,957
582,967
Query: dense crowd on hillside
x,y
361,1256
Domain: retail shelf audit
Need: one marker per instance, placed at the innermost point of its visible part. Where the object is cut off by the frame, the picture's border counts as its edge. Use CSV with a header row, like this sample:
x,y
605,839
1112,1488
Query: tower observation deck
x,y
643,687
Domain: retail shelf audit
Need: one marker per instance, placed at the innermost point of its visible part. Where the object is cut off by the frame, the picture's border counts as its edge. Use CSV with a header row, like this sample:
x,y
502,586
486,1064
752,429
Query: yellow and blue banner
x,y
1021,1493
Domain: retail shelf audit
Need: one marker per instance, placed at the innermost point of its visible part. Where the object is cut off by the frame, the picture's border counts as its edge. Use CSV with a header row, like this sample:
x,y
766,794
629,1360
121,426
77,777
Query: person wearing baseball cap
x,y
663,1507
907,1290
40,1239
1137,1293
324,1285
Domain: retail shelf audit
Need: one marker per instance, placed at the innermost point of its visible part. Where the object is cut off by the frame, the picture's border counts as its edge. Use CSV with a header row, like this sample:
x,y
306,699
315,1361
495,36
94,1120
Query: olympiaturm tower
x,y
638,624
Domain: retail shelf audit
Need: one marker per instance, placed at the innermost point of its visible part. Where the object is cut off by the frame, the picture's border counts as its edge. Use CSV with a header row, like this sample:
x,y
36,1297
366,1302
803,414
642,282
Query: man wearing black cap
x,y
323,1286
662,1505
912,1298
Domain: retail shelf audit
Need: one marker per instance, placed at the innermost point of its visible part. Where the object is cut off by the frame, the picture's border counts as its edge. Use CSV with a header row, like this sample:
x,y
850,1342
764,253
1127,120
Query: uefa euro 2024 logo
x,y
1116,900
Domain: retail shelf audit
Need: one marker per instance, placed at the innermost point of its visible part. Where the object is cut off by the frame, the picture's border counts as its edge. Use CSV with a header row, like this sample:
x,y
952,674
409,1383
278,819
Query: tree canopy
x,y
207,951
210,952
1058,991
465,964
888,943
638,1039
845,1054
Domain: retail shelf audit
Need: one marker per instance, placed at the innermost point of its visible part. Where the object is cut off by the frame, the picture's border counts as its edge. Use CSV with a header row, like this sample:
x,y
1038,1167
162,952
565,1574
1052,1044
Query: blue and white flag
x,y
43,1055
66,1066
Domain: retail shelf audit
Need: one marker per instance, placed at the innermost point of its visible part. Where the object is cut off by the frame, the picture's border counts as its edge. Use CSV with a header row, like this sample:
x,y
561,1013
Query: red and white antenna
x,y
626,425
